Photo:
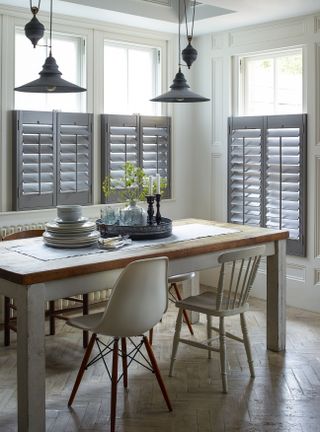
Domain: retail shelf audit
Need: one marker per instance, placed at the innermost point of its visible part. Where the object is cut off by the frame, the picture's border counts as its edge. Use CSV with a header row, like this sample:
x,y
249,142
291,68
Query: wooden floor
x,y
284,396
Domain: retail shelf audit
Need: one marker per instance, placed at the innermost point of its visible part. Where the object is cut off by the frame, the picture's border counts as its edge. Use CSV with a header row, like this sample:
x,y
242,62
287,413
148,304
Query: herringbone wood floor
x,y
284,396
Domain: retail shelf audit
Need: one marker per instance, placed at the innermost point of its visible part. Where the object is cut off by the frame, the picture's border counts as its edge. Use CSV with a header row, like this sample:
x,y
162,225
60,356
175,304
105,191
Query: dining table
x,y
32,274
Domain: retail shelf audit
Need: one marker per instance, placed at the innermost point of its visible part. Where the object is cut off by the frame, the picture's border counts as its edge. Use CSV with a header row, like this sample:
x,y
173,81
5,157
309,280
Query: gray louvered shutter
x,y
74,158
120,137
285,177
155,143
245,170
34,160
267,174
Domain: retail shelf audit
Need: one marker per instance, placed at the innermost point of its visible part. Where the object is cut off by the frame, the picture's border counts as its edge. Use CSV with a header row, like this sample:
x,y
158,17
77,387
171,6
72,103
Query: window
x,y
131,78
267,174
52,159
271,83
69,52
145,141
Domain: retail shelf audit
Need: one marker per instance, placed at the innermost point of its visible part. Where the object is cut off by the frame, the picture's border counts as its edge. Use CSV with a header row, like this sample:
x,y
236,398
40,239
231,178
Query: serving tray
x,y
137,232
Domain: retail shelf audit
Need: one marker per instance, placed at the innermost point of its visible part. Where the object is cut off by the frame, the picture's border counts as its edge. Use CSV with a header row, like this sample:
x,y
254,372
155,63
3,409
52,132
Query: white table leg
x,y
31,359
276,298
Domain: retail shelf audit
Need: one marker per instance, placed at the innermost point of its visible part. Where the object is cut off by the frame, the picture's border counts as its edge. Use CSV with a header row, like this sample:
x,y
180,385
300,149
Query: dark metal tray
x,y
137,232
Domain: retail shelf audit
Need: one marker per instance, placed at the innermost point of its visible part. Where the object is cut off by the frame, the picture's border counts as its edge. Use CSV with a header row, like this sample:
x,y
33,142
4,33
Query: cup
x,y
109,215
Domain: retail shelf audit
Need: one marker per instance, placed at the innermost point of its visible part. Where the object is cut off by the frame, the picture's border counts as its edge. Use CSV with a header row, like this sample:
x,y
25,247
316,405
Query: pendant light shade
x,y
50,80
180,92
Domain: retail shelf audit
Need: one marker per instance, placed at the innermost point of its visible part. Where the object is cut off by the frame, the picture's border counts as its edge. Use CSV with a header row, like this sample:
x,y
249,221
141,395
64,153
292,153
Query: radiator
x,y
94,297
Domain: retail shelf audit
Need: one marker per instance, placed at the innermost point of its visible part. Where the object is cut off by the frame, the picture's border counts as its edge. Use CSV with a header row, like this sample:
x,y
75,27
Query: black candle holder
x,y
158,214
150,211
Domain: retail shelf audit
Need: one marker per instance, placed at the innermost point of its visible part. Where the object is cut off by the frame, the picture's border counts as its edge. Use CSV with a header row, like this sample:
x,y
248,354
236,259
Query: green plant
x,y
132,186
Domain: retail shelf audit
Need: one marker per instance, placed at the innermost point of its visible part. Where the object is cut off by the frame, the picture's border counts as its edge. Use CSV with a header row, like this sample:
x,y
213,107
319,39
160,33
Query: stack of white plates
x,y
74,234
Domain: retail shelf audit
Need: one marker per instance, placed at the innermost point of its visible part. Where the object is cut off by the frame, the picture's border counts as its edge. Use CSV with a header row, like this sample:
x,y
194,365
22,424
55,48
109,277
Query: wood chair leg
x,y
82,369
7,321
114,381
151,336
85,311
157,372
52,320
223,358
209,333
176,341
185,314
124,362
246,342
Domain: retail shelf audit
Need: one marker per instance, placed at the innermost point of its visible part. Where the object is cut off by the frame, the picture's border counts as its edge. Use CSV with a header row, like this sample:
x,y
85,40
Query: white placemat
x,y
37,249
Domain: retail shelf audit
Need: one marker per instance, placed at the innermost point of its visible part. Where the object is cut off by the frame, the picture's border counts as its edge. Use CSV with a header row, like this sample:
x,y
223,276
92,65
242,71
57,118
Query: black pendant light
x,y
189,54
180,90
34,30
50,80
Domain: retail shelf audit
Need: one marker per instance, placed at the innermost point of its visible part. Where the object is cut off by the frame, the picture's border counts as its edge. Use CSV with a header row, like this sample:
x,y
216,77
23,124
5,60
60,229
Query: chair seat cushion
x,y
181,277
206,303
86,322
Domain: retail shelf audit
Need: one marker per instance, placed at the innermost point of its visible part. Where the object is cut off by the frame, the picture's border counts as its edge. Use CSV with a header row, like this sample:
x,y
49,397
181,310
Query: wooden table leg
x,y
276,298
31,359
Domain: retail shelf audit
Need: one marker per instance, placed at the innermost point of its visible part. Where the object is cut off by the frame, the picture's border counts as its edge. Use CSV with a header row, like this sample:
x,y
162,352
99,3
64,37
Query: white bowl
x,y
69,213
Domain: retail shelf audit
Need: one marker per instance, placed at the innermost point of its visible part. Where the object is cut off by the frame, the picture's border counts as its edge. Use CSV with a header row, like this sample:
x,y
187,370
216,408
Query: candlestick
x,y
150,185
150,211
158,215
158,183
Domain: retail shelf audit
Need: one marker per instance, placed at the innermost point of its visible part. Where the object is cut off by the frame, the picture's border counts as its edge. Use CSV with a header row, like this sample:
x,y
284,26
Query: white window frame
x,y
240,86
81,55
157,65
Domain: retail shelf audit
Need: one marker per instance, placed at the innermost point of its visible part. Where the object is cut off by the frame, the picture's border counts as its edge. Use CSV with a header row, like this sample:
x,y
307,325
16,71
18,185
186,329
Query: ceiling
x,y
162,15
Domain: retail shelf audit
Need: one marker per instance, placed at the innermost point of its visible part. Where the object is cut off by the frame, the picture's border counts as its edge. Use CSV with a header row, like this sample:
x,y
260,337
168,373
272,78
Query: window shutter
x,y
119,145
74,159
267,174
245,170
155,148
285,177
34,160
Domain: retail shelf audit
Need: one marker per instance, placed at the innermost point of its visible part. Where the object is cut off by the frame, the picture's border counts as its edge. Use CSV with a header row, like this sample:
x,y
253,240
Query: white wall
x,y
213,74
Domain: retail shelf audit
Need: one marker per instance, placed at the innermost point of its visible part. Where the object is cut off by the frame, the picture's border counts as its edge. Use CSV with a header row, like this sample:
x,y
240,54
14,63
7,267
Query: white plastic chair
x,y
137,302
237,274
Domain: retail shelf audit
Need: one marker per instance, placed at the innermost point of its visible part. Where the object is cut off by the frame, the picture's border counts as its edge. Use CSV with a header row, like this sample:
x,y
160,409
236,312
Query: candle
x,y
150,185
158,183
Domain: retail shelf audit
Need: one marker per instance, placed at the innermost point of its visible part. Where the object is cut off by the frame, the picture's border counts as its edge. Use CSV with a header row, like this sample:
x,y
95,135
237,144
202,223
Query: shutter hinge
x,y
159,56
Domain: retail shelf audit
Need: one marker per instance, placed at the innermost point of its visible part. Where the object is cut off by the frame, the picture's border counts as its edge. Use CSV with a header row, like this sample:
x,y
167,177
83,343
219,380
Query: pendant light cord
x,y
190,36
179,51
35,9
50,30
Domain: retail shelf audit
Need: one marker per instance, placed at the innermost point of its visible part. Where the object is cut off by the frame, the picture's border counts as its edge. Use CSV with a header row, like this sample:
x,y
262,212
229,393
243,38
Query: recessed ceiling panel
x,y
163,10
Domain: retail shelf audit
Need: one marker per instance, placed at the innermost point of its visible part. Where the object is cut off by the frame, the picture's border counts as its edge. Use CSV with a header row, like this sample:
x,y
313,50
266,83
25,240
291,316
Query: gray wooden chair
x,y
52,312
237,274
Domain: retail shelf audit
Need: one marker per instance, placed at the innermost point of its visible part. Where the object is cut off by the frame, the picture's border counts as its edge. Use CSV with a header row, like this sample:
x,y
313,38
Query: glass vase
x,y
133,214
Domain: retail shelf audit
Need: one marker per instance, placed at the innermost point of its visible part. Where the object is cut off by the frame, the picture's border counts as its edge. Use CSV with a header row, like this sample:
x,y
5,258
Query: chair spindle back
x,y
237,274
